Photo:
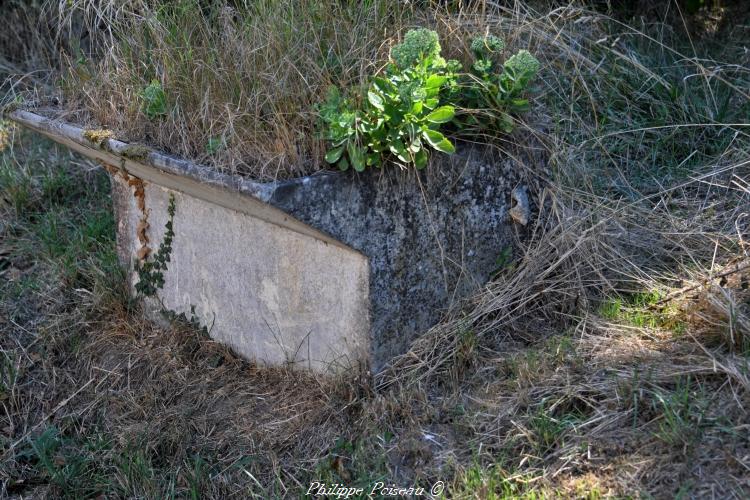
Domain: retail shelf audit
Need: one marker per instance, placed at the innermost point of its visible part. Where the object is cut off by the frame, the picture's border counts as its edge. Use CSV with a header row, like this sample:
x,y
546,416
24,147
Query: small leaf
x,y
357,156
397,147
415,145
435,81
420,159
375,100
433,136
438,141
506,123
373,159
441,115
418,94
520,105
334,154
445,146
381,84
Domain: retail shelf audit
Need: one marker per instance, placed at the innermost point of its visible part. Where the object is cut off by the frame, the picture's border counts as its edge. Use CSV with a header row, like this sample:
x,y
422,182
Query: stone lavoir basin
x,y
328,272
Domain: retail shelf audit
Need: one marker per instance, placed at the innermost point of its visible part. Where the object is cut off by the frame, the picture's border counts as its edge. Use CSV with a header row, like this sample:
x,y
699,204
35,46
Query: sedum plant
x,y
403,110
496,89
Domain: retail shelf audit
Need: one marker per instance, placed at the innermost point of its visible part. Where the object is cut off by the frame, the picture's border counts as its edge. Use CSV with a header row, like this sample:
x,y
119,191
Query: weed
x,y
497,482
418,93
68,464
549,430
214,145
682,414
504,262
352,463
402,114
154,100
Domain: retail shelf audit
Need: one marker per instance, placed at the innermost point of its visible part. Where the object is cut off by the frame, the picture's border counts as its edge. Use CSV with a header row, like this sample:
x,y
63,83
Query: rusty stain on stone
x,y
139,193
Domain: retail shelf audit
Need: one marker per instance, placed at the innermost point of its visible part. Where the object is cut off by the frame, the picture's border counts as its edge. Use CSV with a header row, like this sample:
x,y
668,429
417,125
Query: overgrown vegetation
x,y
419,92
240,85
608,357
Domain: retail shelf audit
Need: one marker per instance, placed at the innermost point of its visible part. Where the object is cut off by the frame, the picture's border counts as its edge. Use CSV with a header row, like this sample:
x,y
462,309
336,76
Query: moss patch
x,y
137,152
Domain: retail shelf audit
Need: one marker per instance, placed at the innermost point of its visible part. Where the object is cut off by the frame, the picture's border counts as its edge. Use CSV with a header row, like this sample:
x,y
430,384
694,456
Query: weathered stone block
x,y
327,272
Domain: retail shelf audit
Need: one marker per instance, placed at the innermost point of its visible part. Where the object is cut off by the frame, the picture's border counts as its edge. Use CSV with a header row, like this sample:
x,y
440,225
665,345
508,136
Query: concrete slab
x,y
272,294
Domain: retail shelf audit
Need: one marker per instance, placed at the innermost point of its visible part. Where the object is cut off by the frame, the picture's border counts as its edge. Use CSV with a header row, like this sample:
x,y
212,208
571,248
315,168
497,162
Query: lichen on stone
x,y
9,108
137,152
98,136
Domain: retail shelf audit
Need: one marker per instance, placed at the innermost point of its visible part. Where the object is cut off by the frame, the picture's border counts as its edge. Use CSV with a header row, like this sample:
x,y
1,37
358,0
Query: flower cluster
x,y
418,45
485,46
520,68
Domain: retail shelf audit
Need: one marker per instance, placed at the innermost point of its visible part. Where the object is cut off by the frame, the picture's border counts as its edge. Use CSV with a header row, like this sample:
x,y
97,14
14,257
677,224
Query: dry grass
x,y
610,358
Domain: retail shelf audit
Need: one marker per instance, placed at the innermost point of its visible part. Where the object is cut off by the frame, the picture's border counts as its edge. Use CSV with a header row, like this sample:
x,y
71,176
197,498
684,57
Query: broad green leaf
x,y
397,147
445,146
375,100
431,103
441,115
334,154
435,81
438,141
432,136
381,84
393,114
357,156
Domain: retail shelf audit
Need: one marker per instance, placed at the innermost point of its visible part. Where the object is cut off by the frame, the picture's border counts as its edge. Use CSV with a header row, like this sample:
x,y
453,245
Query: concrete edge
x,y
232,192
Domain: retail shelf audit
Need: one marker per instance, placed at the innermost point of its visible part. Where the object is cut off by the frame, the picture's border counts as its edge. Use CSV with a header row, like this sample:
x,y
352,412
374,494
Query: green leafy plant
x,y
402,111
214,145
151,272
154,100
493,90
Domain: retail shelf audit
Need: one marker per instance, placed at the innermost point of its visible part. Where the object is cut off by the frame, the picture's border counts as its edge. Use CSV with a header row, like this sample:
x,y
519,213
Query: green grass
x,y
61,217
495,482
683,413
643,310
